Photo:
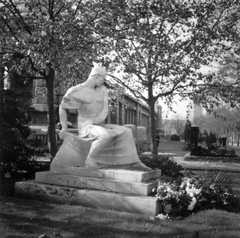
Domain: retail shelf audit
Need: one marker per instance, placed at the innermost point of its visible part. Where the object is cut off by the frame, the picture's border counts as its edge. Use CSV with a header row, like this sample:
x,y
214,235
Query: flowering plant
x,y
186,195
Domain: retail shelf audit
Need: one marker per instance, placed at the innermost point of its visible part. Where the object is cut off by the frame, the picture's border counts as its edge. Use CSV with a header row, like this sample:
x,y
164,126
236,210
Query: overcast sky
x,y
181,107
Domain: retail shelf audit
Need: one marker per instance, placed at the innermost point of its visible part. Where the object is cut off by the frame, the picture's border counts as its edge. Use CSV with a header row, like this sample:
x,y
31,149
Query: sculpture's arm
x,y
63,118
72,96
104,112
77,94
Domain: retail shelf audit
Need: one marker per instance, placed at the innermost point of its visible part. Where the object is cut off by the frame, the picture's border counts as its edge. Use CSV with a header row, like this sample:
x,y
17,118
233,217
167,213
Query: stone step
x,y
117,174
90,198
103,184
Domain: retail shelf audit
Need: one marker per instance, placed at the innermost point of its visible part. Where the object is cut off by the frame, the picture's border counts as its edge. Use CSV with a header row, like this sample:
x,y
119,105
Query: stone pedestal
x,y
115,189
126,186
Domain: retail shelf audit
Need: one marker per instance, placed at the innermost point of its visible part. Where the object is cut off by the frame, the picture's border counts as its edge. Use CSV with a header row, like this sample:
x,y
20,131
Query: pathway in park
x,y
176,149
231,170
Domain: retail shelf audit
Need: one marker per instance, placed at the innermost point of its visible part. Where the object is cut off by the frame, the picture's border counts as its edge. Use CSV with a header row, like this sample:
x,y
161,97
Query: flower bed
x,y
186,195
214,151
222,159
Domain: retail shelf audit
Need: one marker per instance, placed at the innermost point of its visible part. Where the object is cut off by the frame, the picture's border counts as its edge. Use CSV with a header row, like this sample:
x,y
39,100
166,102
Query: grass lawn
x,y
25,218
29,218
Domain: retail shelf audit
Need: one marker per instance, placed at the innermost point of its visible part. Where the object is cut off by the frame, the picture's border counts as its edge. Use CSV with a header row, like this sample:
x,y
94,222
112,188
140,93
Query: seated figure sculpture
x,y
112,145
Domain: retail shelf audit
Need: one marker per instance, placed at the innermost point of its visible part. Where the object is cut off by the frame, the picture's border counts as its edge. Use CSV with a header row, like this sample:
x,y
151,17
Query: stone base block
x,y
89,198
103,184
116,174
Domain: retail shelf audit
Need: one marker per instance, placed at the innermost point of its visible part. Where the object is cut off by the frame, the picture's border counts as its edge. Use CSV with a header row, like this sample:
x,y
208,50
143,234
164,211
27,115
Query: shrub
x,y
175,137
17,155
212,139
187,134
164,162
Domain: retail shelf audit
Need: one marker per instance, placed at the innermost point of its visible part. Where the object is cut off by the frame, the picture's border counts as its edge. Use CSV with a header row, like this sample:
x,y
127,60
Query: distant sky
x,y
181,108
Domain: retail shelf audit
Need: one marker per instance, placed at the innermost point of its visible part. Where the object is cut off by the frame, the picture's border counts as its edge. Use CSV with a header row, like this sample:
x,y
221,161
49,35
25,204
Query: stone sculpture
x,y
98,145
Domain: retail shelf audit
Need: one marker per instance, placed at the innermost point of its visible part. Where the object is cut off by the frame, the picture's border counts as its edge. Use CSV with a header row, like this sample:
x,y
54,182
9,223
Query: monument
x,y
100,167
194,138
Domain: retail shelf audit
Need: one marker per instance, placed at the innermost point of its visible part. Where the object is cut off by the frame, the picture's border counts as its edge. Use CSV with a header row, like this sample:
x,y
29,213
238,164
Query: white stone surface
x,y
117,174
90,198
160,153
111,185
133,128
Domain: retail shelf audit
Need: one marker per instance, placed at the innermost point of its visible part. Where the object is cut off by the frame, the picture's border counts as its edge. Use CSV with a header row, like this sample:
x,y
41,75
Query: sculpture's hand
x,y
61,133
88,122
85,128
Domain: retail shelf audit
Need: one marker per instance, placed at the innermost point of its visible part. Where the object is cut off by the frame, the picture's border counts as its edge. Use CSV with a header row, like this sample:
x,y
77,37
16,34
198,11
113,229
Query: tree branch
x,y
21,18
34,68
136,93
59,10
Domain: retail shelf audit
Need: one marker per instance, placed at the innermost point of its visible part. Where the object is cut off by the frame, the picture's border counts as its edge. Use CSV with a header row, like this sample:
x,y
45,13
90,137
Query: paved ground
x,y
176,148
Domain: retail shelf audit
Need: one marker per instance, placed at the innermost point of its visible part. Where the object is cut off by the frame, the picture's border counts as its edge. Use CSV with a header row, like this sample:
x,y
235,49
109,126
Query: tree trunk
x,y
51,112
1,118
153,130
153,121
237,137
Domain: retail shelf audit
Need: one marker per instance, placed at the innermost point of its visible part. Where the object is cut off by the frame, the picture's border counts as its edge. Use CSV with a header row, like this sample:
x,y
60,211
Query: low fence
x,y
41,137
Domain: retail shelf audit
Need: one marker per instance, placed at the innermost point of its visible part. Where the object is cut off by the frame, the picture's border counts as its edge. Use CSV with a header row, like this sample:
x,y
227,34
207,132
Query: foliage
x,y
213,153
17,151
160,46
52,40
204,135
229,117
187,195
168,167
49,31
15,130
157,46
187,134
175,137
229,72
211,139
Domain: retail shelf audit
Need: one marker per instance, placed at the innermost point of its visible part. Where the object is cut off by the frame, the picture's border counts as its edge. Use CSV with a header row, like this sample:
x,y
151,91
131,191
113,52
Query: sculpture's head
x,y
98,74
98,70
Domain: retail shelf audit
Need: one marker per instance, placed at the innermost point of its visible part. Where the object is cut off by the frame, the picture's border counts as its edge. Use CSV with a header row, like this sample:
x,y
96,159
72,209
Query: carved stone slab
x,y
103,184
117,174
145,205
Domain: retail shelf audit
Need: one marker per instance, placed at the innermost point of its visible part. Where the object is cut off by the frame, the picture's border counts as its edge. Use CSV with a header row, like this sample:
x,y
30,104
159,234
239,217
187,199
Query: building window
x,y
40,118
145,120
125,116
113,118
120,113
